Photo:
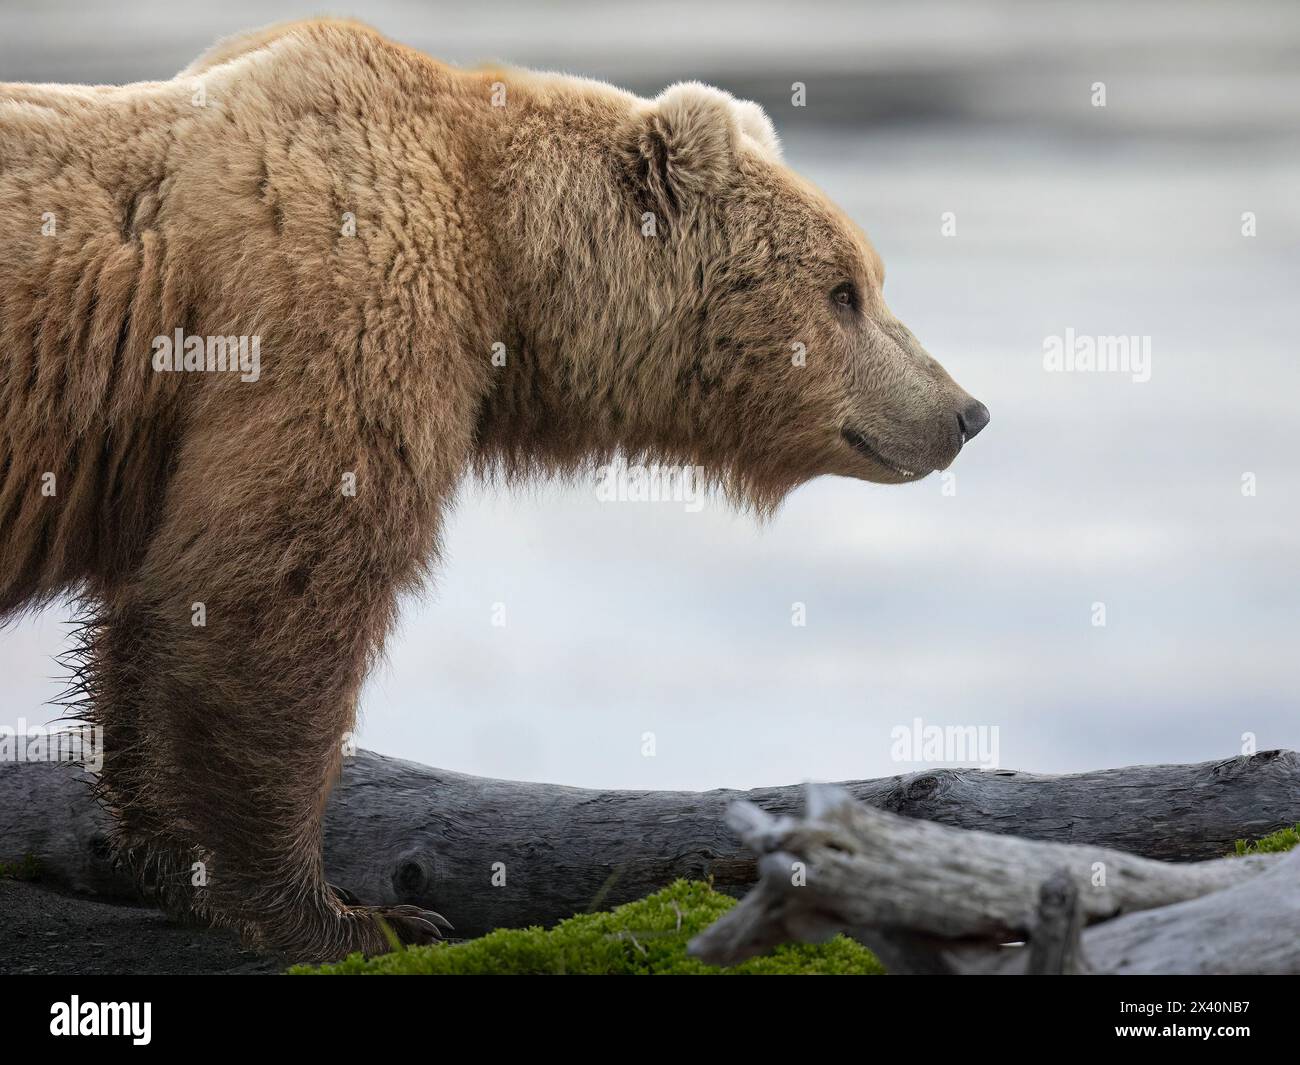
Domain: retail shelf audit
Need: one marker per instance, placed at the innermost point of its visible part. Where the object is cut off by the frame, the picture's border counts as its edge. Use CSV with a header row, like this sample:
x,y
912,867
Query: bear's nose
x,y
972,419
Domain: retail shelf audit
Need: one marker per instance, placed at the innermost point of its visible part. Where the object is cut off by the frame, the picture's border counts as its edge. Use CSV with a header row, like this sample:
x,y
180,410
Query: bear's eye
x,y
845,295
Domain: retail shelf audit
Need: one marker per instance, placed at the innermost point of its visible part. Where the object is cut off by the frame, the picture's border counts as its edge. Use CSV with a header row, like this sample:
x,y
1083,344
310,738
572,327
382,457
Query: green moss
x,y
647,937
1282,840
28,868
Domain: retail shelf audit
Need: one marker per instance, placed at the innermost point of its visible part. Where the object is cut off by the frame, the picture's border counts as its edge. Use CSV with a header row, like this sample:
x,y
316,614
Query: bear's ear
x,y
686,142
755,124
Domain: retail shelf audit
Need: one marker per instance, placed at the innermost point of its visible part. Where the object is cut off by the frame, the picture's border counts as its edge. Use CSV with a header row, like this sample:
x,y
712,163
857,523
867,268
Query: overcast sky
x,y
628,619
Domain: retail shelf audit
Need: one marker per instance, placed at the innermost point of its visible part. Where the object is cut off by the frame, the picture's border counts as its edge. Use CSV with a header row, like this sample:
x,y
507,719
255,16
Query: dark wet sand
x,y
46,932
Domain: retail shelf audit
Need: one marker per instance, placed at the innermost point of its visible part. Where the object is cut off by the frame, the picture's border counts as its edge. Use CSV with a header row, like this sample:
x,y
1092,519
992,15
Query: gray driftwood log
x,y
401,832
928,898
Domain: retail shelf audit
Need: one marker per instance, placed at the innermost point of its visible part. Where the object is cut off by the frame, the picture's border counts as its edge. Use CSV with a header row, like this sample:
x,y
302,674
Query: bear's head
x,y
685,297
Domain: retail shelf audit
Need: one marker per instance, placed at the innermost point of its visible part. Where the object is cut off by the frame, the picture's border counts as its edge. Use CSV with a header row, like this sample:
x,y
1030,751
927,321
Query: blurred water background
x,y
630,621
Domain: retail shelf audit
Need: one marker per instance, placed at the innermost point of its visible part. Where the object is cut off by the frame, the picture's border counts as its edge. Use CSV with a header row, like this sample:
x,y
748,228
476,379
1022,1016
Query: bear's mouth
x,y
863,446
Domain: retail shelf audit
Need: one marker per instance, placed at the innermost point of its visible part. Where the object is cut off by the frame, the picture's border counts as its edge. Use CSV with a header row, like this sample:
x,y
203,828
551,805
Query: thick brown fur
x,y
480,220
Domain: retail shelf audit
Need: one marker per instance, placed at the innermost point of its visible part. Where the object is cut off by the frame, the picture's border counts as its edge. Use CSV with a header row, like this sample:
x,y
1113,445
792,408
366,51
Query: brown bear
x,y
258,321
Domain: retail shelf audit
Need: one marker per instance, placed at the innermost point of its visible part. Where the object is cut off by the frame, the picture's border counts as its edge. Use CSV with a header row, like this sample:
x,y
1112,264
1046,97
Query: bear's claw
x,y
411,924
344,895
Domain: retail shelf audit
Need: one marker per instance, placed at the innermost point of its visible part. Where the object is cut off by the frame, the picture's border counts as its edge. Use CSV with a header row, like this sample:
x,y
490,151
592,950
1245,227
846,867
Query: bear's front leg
x,y
242,644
